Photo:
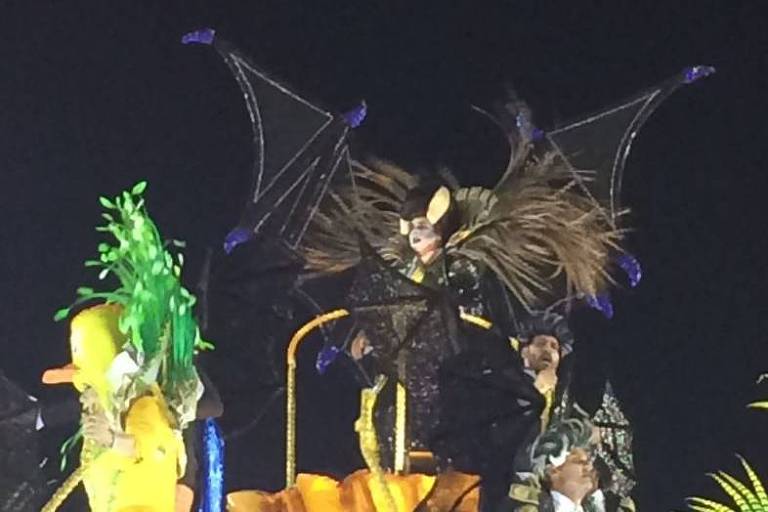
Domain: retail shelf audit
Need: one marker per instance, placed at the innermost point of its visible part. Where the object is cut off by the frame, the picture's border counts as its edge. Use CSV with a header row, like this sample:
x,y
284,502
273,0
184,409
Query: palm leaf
x,y
759,405
705,505
756,483
751,498
763,404
746,499
734,493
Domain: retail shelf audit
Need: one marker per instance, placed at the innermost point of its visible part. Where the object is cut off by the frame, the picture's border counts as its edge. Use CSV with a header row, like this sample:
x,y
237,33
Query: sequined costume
x,y
501,253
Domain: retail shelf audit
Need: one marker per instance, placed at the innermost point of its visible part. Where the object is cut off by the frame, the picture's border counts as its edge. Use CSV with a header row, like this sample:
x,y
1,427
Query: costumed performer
x,y
132,362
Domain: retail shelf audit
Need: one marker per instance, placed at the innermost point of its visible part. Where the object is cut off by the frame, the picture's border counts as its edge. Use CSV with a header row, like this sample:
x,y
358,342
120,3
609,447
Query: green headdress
x,y
157,313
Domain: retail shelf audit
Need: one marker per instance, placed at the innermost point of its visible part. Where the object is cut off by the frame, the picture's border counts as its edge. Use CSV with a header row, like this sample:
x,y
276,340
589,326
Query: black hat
x,y
433,200
547,324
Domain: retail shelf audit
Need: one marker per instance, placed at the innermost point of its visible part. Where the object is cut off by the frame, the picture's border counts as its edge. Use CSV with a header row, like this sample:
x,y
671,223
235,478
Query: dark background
x,y
95,96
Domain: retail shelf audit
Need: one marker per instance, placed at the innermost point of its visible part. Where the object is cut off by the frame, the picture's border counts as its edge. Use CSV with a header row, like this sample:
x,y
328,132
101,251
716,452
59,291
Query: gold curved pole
x,y
65,489
290,406
72,481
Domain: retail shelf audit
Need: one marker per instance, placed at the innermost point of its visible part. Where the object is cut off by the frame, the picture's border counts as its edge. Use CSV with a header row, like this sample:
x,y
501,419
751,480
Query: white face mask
x,y
423,238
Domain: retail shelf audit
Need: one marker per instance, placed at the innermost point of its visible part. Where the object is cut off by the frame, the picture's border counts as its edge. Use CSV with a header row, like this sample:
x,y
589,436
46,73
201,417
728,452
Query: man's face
x,y
543,352
576,477
423,238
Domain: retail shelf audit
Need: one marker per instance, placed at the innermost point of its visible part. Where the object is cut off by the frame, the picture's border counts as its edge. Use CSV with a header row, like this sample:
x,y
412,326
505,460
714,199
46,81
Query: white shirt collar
x,y
563,503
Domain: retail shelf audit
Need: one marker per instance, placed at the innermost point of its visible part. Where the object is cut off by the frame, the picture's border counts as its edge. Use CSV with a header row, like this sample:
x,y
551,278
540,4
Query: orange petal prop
x,y
357,493
63,375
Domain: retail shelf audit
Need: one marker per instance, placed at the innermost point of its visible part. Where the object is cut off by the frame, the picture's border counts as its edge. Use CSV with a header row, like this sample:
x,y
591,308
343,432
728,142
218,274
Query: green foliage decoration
x,y
158,311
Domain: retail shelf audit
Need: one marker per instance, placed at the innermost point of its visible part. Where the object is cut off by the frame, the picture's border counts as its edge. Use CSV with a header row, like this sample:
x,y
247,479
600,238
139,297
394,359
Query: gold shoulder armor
x,y
525,494
627,505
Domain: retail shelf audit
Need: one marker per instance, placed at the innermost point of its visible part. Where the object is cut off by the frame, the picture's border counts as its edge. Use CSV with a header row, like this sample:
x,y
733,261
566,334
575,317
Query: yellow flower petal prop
x,y
358,492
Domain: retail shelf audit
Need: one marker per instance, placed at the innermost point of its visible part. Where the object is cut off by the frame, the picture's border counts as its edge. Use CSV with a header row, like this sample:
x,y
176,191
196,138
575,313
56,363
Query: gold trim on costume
x,y
401,451
476,320
549,401
369,442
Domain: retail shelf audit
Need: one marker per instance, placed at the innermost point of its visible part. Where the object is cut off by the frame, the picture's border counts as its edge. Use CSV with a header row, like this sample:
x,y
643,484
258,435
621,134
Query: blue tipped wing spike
x,y
694,73
631,266
602,303
201,36
326,357
356,116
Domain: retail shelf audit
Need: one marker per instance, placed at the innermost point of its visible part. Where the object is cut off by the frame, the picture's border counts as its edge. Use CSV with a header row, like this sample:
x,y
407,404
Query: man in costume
x,y
511,396
564,475
132,361
544,341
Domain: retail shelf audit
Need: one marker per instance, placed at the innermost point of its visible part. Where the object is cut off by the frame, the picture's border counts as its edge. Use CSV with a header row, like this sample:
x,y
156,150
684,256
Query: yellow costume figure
x,y
138,471
132,362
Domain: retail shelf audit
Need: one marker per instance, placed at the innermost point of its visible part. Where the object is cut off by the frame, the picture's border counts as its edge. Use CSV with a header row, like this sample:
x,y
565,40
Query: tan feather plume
x,y
540,228
537,231
369,209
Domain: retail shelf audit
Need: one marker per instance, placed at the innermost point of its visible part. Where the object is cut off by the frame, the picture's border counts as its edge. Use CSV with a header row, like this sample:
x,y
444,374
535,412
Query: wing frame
x,y
285,194
650,99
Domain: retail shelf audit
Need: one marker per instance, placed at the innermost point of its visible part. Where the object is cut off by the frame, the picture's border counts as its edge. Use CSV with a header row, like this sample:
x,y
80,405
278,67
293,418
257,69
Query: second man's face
x,y
542,353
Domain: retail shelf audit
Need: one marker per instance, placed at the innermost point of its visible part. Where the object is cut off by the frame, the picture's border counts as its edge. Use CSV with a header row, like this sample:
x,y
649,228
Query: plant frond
x,y
750,496
705,505
756,483
733,492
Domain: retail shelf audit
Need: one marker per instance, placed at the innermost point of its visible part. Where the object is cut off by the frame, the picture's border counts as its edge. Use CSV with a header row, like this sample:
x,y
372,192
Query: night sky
x,y
95,96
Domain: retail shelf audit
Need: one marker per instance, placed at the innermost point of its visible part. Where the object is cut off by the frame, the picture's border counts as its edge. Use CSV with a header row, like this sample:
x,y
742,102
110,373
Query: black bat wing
x,y
601,142
252,300
299,149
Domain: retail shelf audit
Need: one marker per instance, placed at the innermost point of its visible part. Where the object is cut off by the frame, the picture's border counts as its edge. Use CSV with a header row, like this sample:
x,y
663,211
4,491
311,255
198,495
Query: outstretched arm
x,y
96,429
